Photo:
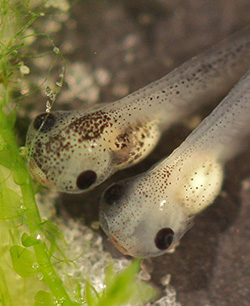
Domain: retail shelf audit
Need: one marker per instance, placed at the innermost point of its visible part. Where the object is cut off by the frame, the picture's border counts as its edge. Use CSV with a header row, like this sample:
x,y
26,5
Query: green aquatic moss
x,y
28,244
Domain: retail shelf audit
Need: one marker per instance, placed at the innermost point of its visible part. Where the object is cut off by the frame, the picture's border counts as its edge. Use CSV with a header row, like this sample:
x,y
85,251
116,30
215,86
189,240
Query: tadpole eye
x,y
164,238
86,179
49,121
113,194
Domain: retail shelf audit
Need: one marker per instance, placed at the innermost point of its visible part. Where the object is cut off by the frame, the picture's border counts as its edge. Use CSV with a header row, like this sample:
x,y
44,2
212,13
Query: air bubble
x,y
24,69
59,84
166,280
48,107
144,275
56,50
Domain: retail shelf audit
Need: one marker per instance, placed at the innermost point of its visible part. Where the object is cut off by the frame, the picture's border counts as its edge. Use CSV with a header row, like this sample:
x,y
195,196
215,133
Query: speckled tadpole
x,y
76,151
147,215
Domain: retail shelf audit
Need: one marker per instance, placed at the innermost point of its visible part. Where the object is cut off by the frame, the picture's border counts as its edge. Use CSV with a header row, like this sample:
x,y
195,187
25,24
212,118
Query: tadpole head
x,y
70,151
137,223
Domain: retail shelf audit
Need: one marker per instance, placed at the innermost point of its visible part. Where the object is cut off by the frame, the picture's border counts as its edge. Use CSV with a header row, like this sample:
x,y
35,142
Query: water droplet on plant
x,y
48,107
35,266
24,69
39,276
39,237
60,301
22,151
48,91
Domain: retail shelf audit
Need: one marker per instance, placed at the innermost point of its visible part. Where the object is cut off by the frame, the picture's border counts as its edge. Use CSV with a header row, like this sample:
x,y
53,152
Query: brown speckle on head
x,y
90,126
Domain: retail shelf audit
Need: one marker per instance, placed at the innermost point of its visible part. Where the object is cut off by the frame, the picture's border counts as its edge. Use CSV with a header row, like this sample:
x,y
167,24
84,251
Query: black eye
x,y
48,124
86,179
113,194
164,238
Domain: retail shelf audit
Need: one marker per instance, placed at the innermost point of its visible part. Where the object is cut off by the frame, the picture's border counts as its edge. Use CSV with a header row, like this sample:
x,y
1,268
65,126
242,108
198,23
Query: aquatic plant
x,y
33,249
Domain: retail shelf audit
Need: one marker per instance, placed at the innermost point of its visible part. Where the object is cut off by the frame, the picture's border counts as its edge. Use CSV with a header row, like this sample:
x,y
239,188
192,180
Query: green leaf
x,y
5,298
24,261
12,118
91,295
109,275
123,280
20,175
6,159
10,204
28,240
125,287
53,231
43,298
78,292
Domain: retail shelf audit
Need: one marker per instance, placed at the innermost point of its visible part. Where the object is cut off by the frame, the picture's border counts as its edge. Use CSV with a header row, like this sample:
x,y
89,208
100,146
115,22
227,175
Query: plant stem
x,y
33,218
42,254
5,298
11,34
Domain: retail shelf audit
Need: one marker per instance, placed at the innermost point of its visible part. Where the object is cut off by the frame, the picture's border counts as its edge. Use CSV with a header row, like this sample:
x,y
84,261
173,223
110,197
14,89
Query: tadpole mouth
x,y
37,173
105,227
118,246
